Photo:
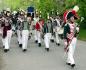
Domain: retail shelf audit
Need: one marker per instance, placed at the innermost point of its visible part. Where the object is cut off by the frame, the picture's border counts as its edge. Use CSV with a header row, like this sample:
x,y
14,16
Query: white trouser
x,y
3,41
19,36
13,28
47,38
52,37
30,30
70,58
25,34
38,36
0,31
35,34
57,37
7,39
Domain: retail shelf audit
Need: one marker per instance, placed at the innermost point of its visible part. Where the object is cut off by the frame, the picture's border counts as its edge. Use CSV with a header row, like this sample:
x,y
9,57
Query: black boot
x,y
29,37
24,50
39,44
58,44
73,65
47,49
36,41
20,45
6,50
52,40
68,63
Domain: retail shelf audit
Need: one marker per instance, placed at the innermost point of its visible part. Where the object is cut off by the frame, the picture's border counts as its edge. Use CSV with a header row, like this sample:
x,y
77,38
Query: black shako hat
x,y
70,14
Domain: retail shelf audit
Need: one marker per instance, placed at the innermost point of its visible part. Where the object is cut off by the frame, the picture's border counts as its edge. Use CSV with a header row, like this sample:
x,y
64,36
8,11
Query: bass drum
x,y
60,32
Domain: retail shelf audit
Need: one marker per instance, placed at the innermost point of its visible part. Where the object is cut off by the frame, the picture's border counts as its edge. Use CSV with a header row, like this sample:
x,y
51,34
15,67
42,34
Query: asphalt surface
x,y
37,58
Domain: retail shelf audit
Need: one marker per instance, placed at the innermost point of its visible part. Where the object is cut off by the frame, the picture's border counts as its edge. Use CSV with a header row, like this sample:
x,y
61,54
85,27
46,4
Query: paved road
x,y
36,58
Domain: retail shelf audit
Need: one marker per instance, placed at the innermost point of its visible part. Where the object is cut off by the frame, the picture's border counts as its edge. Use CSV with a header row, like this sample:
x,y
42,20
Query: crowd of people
x,y
24,26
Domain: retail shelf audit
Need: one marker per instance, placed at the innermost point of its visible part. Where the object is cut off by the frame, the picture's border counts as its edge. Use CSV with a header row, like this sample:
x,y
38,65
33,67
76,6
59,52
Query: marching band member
x,y
52,21
38,28
19,28
36,19
25,31
70,36
7,31
47,30
56,28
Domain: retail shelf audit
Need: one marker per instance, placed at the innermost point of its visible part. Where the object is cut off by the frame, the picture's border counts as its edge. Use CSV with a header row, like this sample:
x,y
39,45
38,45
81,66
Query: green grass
x,y
82,34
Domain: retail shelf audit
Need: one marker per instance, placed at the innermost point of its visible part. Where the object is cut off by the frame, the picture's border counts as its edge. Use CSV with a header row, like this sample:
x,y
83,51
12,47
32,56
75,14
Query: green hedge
x,y
82,34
